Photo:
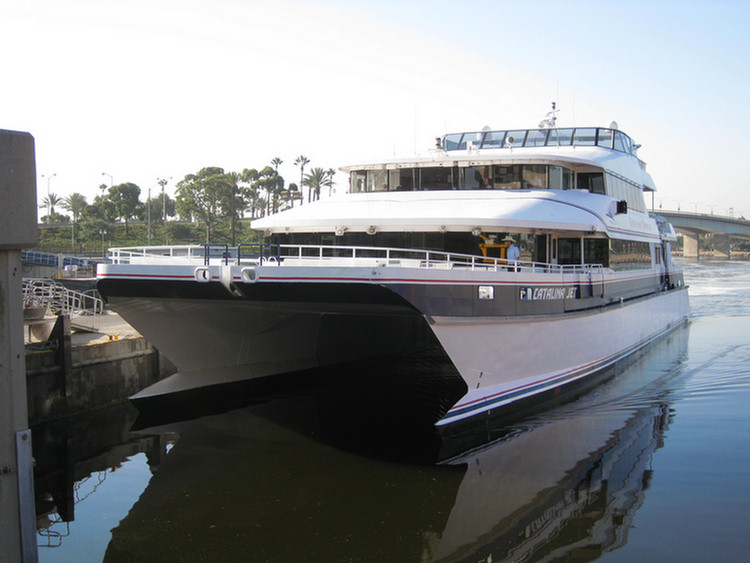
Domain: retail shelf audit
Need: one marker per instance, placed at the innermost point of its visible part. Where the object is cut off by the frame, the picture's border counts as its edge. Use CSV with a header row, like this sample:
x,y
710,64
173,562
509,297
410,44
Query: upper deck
x,y
517,138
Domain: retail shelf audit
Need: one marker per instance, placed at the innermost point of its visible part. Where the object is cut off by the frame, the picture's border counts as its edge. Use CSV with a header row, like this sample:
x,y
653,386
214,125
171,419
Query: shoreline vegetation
x,y
209,206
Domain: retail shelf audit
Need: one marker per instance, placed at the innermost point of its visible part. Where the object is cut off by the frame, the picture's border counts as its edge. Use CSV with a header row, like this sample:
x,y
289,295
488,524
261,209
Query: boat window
x,y
596,251
493,140
436,178
401,180
629,255
377,181
536,138
604,138
559,178
534,177
569,251
560,137
584,137
591,181
357,181
622,142
473,140
474,178
507,177
620,189
453,142
540,249
515,138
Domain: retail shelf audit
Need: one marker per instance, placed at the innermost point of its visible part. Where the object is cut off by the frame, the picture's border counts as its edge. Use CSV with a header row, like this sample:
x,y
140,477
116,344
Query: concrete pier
x,y
691,245
18,230
84,371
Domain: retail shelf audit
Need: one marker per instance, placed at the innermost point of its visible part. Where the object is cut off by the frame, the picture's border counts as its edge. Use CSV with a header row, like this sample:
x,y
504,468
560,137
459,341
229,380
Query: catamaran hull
x,y
505,361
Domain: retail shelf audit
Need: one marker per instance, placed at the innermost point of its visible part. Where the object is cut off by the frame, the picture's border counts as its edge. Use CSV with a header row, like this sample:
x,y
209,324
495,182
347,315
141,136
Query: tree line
x,y
213,198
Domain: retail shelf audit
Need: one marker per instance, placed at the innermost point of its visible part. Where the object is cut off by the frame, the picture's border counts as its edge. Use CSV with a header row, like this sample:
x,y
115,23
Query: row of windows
x,y
584,136
465,178
514,177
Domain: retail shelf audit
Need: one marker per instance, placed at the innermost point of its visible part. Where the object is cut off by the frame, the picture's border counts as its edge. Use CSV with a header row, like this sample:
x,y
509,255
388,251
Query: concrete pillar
x,y
18,229
690,245
722,245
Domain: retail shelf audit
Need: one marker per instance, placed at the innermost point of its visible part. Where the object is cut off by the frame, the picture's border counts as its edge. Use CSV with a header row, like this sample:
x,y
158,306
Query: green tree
x,y
331,172
317,179
160,205
302,161
205,195
49,202
75,203
233,180
125,198
251,192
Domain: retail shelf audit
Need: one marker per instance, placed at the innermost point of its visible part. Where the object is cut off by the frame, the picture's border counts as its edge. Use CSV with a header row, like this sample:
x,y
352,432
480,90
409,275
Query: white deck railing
x,y
330,256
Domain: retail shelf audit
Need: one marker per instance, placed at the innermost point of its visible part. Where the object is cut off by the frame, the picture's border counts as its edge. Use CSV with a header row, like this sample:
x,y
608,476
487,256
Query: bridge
x,y
720,228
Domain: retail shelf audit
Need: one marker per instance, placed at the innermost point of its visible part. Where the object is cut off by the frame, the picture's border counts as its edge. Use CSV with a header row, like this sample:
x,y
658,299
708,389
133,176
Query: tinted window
x,y
604,138
585,137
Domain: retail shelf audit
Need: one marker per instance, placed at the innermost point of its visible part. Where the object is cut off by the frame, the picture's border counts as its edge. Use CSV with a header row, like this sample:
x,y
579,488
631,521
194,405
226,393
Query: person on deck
x,y
512,253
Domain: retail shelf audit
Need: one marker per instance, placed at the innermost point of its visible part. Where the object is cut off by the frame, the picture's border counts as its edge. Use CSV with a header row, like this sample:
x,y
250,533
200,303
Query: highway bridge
x,y
722,230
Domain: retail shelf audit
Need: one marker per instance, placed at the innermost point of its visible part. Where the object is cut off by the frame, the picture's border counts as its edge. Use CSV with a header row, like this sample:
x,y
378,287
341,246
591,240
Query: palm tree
x,y
331,172
316,179
49,202
75,203
301,161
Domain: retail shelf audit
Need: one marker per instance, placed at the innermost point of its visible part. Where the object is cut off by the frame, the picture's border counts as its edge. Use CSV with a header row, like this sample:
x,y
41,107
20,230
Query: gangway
x,y
45,299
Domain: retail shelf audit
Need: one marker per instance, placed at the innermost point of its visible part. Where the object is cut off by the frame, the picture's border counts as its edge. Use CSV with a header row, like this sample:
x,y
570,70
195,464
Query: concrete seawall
x,y
73,379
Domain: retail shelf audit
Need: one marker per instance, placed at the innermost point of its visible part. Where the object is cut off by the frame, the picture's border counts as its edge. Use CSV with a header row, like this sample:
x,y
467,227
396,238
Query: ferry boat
x,y
527,258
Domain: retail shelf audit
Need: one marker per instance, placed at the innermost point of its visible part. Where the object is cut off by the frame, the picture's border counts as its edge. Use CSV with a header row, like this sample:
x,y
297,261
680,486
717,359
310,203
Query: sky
x,y
136,90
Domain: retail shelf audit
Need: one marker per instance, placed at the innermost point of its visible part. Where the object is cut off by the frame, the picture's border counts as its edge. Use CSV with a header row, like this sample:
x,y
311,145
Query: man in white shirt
x,y
512,254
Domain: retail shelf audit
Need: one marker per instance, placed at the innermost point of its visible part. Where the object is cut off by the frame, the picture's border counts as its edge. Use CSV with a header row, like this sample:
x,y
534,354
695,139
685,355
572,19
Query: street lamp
x,y
148,207
49,179
163,182
103,232
111,179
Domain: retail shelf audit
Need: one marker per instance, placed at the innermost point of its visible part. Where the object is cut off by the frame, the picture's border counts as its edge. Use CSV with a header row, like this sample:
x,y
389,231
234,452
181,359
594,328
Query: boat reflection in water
x,y
250,485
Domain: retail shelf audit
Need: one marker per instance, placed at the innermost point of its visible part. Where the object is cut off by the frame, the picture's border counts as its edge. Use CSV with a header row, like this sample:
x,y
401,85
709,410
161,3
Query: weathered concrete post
x,y
723,245
690,245
18,230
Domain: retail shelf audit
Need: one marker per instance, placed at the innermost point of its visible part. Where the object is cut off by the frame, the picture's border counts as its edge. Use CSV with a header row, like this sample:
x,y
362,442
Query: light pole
x,y
111,179
148,220
49,179
103,232
163,182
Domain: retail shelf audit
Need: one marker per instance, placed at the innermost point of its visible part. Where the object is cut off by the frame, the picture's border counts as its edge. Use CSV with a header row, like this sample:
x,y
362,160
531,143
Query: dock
x,y
76,371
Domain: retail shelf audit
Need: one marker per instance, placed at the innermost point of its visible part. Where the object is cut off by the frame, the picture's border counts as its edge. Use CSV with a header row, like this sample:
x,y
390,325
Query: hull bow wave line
x,y
526,258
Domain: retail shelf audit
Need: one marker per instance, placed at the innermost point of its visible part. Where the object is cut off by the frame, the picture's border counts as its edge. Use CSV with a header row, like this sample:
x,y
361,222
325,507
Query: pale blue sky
x,y
142,89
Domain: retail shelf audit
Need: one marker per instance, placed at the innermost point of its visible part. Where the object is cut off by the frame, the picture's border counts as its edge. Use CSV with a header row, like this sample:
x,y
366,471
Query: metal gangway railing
x,y
48,298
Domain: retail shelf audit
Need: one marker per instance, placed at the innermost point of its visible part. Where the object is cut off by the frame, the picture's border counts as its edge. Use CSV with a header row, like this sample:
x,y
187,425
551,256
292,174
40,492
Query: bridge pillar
x,y
722,245
18,230
690,245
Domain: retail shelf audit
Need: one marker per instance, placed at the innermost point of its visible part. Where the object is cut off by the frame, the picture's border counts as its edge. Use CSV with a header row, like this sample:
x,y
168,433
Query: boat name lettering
x,y
547,293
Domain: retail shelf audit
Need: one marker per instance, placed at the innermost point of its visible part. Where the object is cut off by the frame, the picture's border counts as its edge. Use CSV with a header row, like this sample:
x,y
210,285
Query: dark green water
x,y
653,465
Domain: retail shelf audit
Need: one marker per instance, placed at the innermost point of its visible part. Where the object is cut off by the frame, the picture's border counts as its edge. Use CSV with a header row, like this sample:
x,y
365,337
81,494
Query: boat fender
x,y
249,275
202,275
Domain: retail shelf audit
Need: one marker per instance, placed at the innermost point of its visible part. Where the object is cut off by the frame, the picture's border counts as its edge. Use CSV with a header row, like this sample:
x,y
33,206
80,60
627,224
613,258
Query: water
x,y
650,466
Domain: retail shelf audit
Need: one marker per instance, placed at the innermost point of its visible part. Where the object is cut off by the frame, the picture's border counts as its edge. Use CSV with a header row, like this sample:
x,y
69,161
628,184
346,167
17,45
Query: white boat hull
x,y
507,359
